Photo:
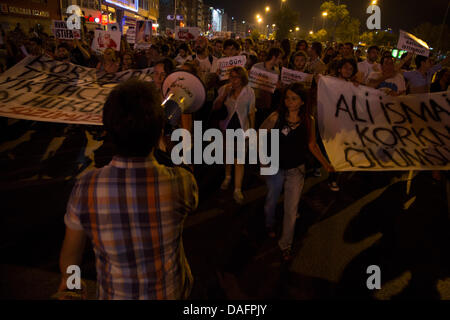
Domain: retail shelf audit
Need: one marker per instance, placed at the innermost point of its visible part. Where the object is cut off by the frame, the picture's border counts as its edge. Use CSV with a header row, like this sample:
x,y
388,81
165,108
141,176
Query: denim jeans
x,y
293,181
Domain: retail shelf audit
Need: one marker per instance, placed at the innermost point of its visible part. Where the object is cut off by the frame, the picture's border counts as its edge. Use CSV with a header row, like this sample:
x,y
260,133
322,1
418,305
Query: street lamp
x,y
297,28
267,9
311,32
324,15
374,2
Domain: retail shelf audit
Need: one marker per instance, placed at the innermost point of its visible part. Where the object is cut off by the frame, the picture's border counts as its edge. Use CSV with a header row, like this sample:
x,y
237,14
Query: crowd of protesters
x,y
233,104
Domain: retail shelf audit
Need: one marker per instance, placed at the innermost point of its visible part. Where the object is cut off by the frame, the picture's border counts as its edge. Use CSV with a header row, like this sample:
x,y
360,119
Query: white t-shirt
x,y
180,60
367,68
206,67
396,83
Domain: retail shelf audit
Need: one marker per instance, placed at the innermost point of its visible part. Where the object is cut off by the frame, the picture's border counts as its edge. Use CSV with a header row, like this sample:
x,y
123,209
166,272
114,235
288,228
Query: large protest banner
x,y
42,89
365,129
289,76
61,31
264,80
410,43
106,39
226,64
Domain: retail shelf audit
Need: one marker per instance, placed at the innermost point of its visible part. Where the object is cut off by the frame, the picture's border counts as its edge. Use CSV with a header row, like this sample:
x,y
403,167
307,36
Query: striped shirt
x,y
133,211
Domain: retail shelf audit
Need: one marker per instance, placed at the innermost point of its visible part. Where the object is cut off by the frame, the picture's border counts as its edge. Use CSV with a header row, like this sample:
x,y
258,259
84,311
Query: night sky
x,y
396,14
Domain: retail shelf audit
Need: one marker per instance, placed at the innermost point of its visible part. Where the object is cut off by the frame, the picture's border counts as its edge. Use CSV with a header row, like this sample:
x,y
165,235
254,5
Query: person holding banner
x,y
297,135
419,80
127,61
272,63
388,79
298,61
442,81
239,99
369,65
109,63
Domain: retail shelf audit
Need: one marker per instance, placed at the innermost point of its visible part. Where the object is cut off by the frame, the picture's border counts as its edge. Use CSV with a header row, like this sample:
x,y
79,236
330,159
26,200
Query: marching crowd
x,y
230,104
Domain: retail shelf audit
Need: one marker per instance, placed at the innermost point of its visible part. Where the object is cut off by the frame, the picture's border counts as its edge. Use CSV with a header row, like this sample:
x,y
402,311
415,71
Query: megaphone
x,y
183,92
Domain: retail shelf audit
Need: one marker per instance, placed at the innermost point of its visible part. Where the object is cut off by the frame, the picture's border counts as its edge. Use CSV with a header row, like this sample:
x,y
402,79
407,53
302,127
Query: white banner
x,y
364,129
60,31
226,64
261,79
411,43
187,34
289,76
42,89
106,39
131,35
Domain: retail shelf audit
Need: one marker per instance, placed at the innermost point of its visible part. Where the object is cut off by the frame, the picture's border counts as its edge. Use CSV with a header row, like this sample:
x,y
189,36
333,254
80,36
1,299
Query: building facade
x,y
29,14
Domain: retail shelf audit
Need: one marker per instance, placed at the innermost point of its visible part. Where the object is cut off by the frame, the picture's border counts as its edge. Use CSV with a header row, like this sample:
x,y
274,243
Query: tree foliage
x,y
285,20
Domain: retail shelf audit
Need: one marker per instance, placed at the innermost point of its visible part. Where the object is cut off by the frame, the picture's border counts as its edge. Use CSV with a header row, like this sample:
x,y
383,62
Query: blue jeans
x,y
293,181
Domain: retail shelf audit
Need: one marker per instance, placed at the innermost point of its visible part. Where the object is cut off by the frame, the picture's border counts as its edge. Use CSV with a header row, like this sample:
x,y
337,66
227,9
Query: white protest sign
x,y
226,64
363,129
187,34
131,35
106,39
61,31
411,43
42,89
289,76
261,79
143,39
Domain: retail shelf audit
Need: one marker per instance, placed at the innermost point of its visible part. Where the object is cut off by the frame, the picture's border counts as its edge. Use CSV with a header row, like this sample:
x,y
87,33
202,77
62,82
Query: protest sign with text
x,y
261,79
226,64
365,129
289,76
187,34
42,89
61,31
106,39
411,43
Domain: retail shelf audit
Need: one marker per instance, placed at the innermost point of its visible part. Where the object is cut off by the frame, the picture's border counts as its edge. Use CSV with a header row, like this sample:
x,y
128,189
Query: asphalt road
x,y
377,218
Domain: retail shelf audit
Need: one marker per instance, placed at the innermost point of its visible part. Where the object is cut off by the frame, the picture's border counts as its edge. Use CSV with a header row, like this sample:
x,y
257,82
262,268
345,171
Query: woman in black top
x,y
296,130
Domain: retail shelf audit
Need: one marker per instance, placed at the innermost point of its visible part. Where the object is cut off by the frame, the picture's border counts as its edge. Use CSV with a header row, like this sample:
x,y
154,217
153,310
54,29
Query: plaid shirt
x,y
133,210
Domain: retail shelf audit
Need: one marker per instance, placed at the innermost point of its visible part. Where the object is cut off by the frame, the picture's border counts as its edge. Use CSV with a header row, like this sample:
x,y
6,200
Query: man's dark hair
x,y
384,58
63,45
419,60
133,117
349,44
274,52
218,41
342,62
185,47
299,43
373,48
317,48
169,65
231,42
165,49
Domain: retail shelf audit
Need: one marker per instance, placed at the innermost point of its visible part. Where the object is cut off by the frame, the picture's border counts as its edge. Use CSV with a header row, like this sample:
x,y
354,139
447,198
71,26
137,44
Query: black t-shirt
x,y
293,144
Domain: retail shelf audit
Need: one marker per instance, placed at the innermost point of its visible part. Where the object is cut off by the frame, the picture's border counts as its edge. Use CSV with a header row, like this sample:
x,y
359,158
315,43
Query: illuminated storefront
x,y
29,14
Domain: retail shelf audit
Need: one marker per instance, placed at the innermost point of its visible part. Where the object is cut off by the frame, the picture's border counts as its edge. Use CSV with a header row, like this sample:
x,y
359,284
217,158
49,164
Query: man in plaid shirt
x,y
133,209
